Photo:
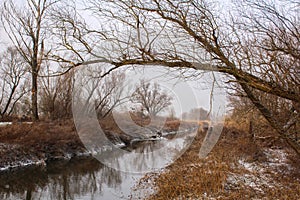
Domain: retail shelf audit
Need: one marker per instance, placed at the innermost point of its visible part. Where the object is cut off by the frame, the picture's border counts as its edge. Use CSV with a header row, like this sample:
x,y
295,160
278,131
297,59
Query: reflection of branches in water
x,y
79,177
146,154
60,180
68,179
21,183
149,155
110,177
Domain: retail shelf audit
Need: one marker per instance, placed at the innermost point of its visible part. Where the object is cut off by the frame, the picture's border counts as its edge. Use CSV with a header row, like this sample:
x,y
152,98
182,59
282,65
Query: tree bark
x,y
34,95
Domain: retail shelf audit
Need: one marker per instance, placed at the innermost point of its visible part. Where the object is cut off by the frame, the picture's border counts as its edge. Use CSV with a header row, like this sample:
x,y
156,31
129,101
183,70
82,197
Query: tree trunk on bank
x,y
270,118
34,96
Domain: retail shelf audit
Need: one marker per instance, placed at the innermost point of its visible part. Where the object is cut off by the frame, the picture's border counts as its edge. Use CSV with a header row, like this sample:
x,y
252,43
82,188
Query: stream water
x,y
87,178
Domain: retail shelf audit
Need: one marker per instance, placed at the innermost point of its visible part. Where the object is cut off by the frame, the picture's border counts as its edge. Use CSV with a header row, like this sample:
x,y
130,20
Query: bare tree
x,y
26,26
100,94
269,49
12,73
259,51
199,42
151,98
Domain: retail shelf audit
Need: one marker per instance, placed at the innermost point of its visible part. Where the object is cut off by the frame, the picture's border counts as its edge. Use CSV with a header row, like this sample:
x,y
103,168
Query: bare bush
x,y
56,96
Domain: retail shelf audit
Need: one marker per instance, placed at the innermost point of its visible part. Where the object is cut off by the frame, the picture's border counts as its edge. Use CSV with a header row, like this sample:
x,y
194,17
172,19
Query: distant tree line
x,y
100,94
196,114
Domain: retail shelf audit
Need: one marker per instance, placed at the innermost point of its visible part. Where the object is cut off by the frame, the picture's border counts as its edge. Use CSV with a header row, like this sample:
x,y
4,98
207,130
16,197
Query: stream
x,y
87,178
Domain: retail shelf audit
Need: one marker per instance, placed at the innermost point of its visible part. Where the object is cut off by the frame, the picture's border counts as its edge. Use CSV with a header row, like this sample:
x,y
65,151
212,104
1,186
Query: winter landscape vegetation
x,y
132,99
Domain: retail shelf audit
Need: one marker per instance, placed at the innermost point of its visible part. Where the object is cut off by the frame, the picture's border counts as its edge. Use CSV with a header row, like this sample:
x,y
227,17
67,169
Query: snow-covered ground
x,y
24,163
2,124
260,175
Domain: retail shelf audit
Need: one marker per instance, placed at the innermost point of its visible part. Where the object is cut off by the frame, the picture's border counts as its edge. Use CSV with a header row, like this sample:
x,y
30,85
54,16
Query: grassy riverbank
x,y
23,144
239,167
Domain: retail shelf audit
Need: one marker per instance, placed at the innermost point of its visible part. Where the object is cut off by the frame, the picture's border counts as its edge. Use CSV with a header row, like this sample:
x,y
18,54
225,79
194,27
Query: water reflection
x,y
148,156
60,180
84,178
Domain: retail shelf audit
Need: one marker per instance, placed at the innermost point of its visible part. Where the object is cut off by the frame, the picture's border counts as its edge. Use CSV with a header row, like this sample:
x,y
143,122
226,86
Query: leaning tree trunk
x,y
282,130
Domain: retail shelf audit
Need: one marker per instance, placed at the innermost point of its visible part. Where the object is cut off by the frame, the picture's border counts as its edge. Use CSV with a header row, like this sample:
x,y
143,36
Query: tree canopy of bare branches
x,y
257,47
256,44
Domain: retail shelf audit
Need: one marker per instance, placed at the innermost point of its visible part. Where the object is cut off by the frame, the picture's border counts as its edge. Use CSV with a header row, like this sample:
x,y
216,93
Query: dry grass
x,y
28,134
193,178
48,140
38,141
189,177
37,132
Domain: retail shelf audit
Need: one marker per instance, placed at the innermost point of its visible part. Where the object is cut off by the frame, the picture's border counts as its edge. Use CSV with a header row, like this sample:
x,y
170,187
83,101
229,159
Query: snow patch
x,y
256,177
277,158
25,163
2,124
